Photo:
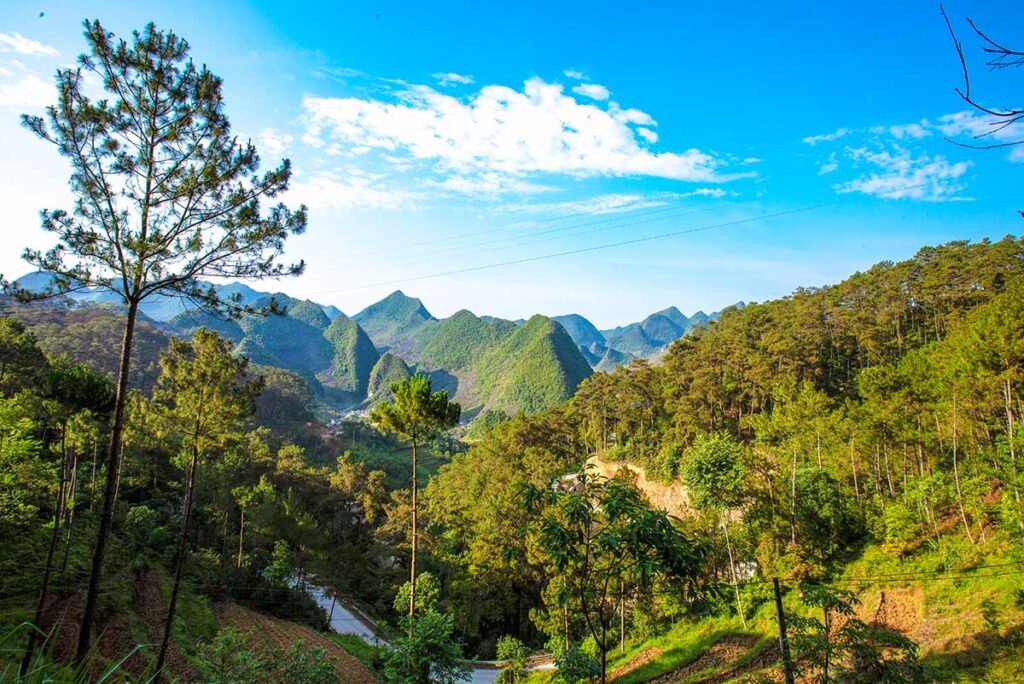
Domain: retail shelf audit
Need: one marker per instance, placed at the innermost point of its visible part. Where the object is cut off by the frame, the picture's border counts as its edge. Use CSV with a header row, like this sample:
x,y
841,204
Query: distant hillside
x,y
486,363
354,356
582,331
285,342
187,322
388,369
457,342
397,323
536,366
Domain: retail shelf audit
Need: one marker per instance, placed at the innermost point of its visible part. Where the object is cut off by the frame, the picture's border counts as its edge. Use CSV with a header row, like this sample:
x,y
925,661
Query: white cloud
x,y
27,90
1017,154
987,129
747,161
592,90
19,44
503,130
451,78
902,175
271,141
326,191
827,137
575,75
829,166
647,134
490,184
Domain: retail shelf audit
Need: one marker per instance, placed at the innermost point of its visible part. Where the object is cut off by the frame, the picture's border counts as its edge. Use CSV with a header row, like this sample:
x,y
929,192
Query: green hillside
x,y
397,323
309,312
458,341
388,369
535,367
187,322
285,342
354,355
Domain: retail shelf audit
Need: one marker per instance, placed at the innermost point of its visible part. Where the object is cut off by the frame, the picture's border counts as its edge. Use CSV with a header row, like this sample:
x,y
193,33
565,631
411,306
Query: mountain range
x,y
484,362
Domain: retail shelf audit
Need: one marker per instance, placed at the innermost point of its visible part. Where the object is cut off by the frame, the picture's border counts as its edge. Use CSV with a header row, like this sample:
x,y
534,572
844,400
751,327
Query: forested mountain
x,y
866,428
398,323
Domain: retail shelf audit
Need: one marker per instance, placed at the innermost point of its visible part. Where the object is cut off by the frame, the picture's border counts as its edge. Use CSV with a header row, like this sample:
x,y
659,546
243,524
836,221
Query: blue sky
x,y
430,140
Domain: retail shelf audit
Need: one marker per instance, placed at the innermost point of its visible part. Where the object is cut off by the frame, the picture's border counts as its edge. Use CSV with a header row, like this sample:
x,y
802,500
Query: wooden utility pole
x,y
780,619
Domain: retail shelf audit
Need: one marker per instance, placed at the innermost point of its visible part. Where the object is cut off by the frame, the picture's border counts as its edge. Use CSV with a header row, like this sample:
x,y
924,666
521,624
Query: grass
x,y
366,653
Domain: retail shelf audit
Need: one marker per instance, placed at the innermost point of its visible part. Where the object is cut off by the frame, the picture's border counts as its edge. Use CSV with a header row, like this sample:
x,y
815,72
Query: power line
x,y
500,229
650,238
454,251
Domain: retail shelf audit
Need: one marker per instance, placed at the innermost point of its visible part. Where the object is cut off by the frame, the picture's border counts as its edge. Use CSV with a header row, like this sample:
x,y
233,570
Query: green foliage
x,y
514,654
228,660
418,415
841,647
397,323
572,665
535,367
714,472
20,356
600,538
428,592
310,313
459,341
426,652
354,355
388,370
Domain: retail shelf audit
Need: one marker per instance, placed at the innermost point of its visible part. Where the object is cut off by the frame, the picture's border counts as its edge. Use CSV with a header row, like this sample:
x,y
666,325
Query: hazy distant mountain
x,y
485,362
611,359
583,332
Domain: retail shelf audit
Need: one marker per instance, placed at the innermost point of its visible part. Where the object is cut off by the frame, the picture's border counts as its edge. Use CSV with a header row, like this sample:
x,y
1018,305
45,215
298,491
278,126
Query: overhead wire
x,y
639,240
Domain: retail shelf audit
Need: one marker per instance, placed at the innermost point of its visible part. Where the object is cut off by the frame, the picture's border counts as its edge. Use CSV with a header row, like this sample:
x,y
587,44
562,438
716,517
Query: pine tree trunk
x,y
415,540
58,513
956,478
69,506
792,503
113,463
732,571
241,532
179,567
853,468
1008,391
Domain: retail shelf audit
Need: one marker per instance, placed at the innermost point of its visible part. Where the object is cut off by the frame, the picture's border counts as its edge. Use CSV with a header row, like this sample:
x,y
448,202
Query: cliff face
x,y
673,497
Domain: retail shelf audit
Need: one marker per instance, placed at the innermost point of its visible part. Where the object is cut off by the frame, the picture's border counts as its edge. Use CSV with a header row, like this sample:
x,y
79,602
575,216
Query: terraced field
x,y
281,634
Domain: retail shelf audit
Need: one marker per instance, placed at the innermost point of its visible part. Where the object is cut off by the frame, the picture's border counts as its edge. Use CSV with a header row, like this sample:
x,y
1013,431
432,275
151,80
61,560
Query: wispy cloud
x,y
451,78
827,137
903,175
273,141
592,90
22,88
612,203
490,185
575,75
539,129
21,45
328,191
